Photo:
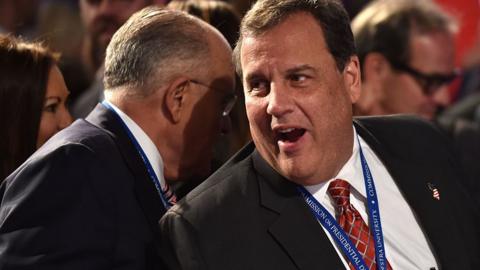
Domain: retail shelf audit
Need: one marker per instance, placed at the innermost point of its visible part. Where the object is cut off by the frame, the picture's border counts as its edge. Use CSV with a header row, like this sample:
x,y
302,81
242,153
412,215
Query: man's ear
x,y
175,98
375,69
352,78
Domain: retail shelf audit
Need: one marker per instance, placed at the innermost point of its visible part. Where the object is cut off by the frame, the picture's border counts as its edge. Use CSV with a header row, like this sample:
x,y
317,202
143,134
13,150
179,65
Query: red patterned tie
x,y
169,195
352,223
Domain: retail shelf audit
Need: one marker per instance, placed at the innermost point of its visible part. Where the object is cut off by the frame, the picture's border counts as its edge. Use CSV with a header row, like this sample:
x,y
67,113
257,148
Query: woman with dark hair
x,y
32,100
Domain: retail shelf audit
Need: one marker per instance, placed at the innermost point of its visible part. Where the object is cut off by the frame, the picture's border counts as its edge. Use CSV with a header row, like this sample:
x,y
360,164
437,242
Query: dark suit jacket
x,y
247,216
83,201
466,142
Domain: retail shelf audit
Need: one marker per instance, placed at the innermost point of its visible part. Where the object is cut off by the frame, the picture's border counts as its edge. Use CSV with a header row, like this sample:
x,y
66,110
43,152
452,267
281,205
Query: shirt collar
x,y
147,145
351,172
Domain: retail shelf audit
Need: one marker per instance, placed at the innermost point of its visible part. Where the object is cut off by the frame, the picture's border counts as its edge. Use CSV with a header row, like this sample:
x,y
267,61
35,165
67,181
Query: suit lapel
x,y
295,229
145,190
415,180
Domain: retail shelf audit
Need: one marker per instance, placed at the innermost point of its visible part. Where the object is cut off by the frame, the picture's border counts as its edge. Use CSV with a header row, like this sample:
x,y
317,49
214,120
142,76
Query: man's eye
x,y
298,78
258,86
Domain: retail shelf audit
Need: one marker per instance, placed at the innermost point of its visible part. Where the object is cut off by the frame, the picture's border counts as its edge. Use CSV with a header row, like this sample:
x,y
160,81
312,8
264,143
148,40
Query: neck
x,y
144,112
329,166
344,153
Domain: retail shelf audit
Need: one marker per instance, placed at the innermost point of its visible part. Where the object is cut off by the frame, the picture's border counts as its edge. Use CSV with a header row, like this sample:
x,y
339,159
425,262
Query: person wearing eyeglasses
x,y
91,197
406,51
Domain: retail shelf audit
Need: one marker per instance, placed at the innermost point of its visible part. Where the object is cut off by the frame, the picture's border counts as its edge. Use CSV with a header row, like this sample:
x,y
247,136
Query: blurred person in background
x,y
19,17
101,18
462,121
32,100
407,55
60,27
406,50
219,14
466,109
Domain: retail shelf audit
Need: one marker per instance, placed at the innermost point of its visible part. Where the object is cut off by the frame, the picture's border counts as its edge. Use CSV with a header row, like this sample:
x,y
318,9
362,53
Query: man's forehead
x,y
433,52
302,47
256,45
294,29
293,23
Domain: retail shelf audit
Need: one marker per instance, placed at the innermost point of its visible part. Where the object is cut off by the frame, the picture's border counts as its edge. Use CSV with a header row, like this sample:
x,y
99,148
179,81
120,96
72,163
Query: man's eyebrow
x,y
254,76
299,69
306,67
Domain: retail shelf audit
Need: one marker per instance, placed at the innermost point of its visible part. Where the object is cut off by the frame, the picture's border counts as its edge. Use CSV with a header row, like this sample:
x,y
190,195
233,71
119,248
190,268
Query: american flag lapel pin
x,y
435,192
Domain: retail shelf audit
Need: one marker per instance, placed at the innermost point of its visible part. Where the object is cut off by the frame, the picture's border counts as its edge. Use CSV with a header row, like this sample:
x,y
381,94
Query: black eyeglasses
x,y
430,83
229,102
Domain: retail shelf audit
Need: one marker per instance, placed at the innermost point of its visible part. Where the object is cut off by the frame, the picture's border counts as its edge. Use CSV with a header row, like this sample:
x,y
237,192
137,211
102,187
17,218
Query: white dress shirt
x,y
406,246
147,145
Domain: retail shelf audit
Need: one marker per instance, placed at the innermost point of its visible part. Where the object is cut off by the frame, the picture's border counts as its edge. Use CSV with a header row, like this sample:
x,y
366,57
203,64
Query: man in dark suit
x,y
92,196
314,190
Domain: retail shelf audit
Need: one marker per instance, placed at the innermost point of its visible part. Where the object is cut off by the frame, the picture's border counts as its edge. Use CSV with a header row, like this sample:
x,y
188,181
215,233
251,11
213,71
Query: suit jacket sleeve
x,y
53,213
179,247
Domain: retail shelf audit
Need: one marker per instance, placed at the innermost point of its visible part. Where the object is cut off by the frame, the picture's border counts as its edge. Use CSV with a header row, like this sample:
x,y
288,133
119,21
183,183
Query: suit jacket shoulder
x,y
46,197
82,201
420,159
245,216
403,135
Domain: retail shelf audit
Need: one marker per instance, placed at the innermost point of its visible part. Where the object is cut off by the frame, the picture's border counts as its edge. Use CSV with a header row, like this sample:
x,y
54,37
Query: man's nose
x,y
279,102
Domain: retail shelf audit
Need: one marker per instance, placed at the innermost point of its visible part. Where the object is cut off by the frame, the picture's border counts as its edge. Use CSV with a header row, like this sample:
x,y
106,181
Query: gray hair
x,y
153,46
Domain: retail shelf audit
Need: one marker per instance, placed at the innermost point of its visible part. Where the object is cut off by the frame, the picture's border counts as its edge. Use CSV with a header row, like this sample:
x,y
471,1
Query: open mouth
x,y
290,135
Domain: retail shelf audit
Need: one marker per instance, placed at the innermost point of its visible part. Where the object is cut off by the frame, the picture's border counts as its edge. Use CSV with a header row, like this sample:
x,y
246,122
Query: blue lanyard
x,y
373,212
146,162
336,231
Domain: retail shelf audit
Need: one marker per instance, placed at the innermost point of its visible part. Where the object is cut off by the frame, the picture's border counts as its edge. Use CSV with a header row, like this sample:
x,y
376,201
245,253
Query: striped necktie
x,y
352,223
169,195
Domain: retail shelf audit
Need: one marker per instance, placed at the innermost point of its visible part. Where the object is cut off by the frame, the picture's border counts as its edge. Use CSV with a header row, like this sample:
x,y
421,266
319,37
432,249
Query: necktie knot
x,y
352,223
339,191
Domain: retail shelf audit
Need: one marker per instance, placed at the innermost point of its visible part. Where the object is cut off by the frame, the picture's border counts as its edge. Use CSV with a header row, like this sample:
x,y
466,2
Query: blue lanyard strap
x,y
331,225
373,212
336,231
146,162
